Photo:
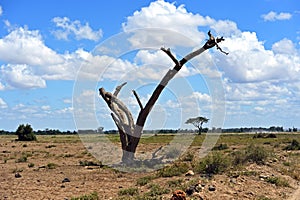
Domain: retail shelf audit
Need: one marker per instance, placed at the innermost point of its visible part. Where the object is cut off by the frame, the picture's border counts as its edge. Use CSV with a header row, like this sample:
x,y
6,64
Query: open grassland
x,y
244,166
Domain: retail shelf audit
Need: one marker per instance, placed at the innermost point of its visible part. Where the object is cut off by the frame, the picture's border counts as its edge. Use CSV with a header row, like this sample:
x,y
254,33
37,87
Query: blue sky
x,y
54,55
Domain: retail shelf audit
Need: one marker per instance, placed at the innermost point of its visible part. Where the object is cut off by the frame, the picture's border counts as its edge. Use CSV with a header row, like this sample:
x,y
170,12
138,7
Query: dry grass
x,y
45,163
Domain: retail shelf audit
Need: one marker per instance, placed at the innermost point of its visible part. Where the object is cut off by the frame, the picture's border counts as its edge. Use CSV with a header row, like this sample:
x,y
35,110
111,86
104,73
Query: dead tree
x,y
130,132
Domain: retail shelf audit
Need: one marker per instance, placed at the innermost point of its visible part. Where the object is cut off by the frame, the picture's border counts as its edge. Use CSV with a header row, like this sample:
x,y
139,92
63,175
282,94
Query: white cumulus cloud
x,y
80,31
164,15
28,62
20,76
274,16
250,61
284,46
23,46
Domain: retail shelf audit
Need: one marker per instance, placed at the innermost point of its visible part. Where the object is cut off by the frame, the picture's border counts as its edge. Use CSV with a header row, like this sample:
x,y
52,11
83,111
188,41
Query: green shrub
x,y
22,159
156,190
144,180
263,198
16,170
30,165
295,145
277,181
220,147
252,153
128,191
175,183
25,133
214,163
92,196
188,157
256,154
90,163
176,169
238,158
51,165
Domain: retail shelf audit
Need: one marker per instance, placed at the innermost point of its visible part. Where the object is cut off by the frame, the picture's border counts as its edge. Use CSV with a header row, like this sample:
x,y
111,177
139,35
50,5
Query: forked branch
x,y
168,52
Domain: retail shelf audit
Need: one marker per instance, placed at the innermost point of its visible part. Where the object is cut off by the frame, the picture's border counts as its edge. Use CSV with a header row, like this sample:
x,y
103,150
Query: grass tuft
x,y
176,169
92,196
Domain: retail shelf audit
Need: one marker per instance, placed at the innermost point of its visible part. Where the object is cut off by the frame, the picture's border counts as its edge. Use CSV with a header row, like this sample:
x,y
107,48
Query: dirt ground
x,y
50,169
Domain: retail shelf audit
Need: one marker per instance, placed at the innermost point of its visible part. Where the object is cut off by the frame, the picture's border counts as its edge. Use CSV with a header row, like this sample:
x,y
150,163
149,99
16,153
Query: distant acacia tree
x,y
25,133
197,122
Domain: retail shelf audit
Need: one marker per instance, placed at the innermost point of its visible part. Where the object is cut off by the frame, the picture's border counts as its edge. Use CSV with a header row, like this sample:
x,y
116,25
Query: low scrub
x,y
214,163
221,146
90,163
295,145
156,190
264,135
175,183
176,169
252,153
188,157
51,166
278,181
256,154
145,180
128,191
21,159
92,196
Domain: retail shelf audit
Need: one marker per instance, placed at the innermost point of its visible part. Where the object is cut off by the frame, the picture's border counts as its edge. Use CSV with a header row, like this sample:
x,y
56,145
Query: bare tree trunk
x,y
129,132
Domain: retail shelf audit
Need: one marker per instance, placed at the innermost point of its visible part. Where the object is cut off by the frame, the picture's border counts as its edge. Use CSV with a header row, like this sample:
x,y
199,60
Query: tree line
x,y
42,132
101,130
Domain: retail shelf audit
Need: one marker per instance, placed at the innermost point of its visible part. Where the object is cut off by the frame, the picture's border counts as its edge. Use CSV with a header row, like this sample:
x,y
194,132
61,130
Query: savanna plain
x,y
264,166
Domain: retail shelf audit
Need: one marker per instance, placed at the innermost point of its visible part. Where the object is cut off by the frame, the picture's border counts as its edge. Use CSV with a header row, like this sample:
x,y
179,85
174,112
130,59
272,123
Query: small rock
x,y
263,176
233,180
212,188
178,195
190,173
190,190
193,189
235,175
66,180
198,188
18,175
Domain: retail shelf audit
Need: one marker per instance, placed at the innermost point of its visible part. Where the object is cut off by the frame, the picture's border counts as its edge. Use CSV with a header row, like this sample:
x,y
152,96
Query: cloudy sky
x,y
54,55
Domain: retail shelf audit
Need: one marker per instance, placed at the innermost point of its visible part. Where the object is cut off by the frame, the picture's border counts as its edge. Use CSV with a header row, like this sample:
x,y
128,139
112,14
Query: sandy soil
x,y
51,160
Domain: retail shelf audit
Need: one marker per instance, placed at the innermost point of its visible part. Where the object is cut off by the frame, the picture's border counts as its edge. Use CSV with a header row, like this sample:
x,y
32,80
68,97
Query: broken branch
x,y
168,52
118,88
138,99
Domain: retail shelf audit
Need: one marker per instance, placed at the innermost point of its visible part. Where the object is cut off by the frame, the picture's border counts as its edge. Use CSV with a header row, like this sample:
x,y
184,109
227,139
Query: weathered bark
x,y
129,132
